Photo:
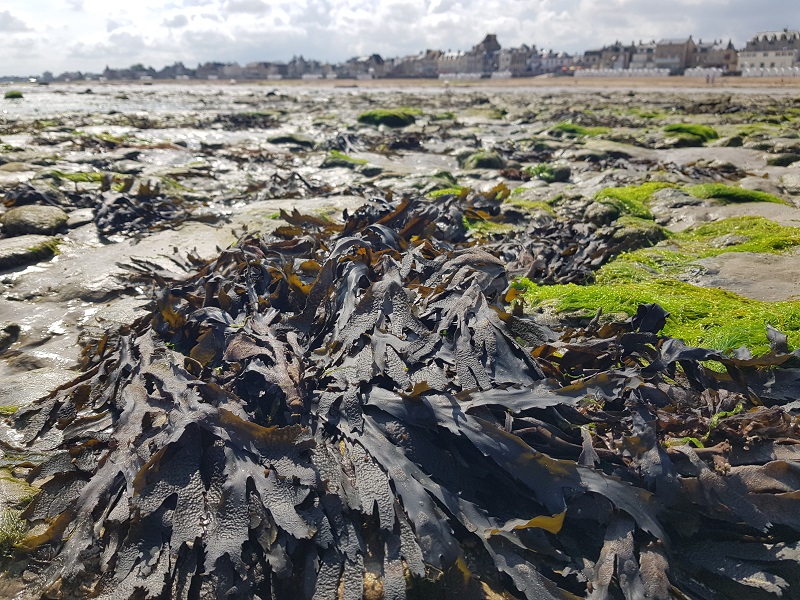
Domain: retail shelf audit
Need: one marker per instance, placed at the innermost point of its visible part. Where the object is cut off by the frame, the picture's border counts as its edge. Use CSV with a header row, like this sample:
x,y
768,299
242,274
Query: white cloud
x,y
254,7
112,25
11,24
176,22
82,32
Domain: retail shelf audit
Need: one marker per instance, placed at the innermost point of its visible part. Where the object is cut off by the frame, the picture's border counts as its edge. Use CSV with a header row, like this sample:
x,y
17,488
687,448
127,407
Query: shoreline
x,y
521,83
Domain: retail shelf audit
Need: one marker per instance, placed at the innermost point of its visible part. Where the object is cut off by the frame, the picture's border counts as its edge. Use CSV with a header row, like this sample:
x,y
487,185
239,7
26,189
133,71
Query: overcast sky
x,y
87,35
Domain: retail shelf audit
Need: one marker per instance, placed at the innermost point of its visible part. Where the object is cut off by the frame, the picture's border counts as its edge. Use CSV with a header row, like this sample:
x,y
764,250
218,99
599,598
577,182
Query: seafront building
x,y
770,53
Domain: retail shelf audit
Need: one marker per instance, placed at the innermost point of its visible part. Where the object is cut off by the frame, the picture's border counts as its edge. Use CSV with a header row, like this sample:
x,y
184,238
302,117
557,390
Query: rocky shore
x,y
688,199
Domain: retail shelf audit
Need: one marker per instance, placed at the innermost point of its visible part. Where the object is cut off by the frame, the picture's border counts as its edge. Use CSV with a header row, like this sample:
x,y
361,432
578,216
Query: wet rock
x,y
292,139
783,160
600,213
370,170
26,249
484,160
9,333
20,389
33,219
767,277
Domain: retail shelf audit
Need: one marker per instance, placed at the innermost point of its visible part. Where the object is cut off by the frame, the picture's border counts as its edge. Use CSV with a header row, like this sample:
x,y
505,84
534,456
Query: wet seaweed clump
x,y
357,407
121,211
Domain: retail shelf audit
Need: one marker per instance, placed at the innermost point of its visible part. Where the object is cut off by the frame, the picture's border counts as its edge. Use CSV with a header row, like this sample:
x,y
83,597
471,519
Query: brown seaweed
x,y
307,412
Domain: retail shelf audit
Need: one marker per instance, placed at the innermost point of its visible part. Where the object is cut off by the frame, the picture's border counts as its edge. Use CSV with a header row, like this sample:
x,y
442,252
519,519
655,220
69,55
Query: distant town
x,y
767,54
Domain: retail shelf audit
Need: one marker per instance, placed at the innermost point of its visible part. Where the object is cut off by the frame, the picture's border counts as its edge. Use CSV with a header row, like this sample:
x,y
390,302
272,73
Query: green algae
x,y
396,117
530,205
703,133
731,194
566,128
482,228
12,530
700,316
635,200
457,190
632,200
336,158
740,234
706,317
549,173
90,177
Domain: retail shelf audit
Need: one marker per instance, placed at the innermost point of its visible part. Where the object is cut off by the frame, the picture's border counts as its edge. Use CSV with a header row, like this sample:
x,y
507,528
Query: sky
x,y
87,35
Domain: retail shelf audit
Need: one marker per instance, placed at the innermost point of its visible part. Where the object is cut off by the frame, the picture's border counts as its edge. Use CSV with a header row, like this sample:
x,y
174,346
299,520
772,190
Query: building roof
x,y
675,41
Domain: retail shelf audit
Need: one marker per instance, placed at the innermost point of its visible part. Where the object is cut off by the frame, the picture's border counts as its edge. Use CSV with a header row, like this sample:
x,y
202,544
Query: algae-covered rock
x,y
395,117
26,249
561,173
484,160
632,233
342,160
33,219
601,213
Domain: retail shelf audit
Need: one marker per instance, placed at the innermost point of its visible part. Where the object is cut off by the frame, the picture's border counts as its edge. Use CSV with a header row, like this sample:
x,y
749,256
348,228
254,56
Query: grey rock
x,y
79,217
293,139
791,183
729,239
669,198
601,213
20,389
34,219
9,333
561,173
26,249
735,141
783,160
484,160
760,184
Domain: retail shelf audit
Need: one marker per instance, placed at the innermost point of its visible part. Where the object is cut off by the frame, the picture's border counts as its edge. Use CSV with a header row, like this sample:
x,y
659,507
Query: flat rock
x,y
767,277
21,389
79,217
33,219
25,249
761,184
